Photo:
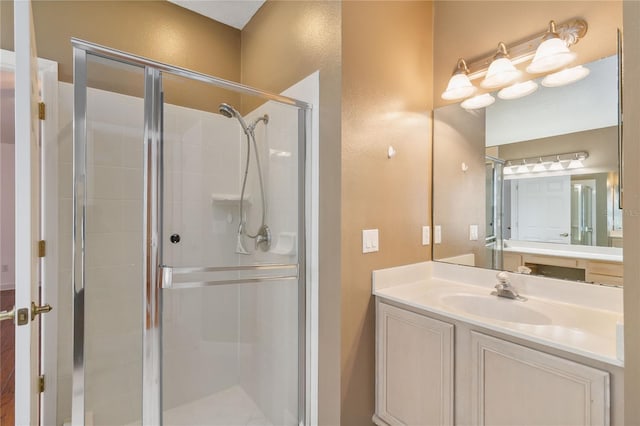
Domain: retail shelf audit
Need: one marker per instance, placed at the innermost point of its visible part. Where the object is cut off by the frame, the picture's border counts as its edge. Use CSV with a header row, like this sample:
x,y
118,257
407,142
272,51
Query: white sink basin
x,y
497,308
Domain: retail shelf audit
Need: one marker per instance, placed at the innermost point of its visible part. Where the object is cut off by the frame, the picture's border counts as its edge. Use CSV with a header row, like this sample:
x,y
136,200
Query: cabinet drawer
x,y
511,261
603,279
550,260
614,269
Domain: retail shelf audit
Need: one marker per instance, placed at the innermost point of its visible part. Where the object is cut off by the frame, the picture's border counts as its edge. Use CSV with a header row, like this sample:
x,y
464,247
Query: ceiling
x,y
235,13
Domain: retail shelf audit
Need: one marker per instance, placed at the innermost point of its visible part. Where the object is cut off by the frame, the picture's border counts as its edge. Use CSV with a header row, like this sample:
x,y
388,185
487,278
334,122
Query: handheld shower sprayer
x,y
263,236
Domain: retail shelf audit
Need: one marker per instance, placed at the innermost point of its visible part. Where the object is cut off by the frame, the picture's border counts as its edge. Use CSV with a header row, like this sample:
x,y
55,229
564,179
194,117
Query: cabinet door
x,y
514,385
414,368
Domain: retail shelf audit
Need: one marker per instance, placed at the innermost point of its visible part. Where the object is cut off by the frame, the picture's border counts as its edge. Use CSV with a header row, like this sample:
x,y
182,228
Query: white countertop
x,y
608,254
580,319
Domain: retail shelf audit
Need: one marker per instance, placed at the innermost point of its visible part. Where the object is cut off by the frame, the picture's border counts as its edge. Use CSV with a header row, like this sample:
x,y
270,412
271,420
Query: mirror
x,y
531,185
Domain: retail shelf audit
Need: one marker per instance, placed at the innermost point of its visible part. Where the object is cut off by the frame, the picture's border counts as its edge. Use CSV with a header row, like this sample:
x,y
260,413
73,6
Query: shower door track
x,y
155,275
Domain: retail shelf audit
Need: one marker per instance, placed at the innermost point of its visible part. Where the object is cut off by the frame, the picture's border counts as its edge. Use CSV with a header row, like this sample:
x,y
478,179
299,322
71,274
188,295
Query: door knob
x,y
564,234
8,315
37,310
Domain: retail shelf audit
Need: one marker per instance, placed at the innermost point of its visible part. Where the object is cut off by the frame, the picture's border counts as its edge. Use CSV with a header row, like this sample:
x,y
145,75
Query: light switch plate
x,y
437,234
426,235
473,232
369,240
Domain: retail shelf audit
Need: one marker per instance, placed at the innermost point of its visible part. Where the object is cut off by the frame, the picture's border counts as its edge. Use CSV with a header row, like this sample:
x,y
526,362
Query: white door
x,y
542,209
27,217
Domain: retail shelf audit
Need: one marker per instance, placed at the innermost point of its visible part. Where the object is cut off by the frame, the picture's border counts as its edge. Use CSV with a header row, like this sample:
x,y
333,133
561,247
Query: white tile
x,y
104,216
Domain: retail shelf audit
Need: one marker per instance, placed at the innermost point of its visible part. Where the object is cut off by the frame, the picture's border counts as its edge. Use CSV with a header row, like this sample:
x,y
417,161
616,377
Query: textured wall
x,y
283,43
386,100
154,29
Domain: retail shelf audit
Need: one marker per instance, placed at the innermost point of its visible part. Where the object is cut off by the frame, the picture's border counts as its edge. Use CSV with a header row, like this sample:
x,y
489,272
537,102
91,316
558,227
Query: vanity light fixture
x,y
555,162
501,72
566,76
549,50
556,166
540,166
459,86
524,168
518,90
552,54
576,163
477,102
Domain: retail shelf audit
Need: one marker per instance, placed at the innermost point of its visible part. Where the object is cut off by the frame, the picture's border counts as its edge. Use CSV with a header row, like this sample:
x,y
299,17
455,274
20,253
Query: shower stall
x,y
189,247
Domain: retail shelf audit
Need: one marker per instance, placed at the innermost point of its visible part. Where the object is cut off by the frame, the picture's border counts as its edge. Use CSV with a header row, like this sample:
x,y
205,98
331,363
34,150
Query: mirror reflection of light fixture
x,y
508,169
477,102
552,54
576,163
523,168
501,71
540,166
459,86
556,165
564,77
555,162
518,90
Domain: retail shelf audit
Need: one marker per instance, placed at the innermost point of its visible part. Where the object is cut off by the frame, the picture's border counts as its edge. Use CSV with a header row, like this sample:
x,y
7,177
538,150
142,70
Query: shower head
x,y
227,110
230,112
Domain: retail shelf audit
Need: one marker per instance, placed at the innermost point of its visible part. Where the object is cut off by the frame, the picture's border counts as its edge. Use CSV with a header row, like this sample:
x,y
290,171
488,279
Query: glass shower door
x,y
189,273
230,334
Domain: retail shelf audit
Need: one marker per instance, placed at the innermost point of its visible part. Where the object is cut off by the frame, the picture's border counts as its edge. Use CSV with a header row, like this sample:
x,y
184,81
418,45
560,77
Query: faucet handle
x,y
502,277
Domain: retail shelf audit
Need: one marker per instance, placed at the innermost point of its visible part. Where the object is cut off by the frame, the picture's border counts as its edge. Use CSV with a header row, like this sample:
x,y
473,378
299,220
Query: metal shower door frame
x,y
157,276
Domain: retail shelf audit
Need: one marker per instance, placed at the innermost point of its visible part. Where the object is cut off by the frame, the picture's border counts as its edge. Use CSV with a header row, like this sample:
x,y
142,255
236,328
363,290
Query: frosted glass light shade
x,y
556,165
501,72
539,167
575,164
477,102
459,87
568,76
551,55
518,90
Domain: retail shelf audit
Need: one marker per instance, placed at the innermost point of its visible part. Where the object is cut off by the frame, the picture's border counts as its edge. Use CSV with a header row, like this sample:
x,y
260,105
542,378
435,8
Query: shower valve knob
x,y
175,238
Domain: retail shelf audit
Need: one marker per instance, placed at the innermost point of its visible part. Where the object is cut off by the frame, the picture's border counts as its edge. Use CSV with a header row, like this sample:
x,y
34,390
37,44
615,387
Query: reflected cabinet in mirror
x,y
530,185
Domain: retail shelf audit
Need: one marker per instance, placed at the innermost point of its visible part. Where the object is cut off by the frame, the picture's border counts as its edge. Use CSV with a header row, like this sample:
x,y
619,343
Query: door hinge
x,y
42,248
41,384
41,110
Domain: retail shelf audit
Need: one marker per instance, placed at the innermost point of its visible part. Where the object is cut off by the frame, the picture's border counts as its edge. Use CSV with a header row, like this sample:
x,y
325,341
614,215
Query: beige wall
x,y
631,212
464,142
155,29
386,100
469,29
283,43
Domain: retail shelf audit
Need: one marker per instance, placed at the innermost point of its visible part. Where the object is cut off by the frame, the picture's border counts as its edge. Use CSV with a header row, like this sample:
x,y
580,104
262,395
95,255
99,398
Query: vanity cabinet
x,y
515,385
414,368
497,382
594,271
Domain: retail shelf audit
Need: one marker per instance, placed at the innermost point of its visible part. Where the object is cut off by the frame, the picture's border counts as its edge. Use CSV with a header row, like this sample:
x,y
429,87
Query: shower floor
x,y
230,407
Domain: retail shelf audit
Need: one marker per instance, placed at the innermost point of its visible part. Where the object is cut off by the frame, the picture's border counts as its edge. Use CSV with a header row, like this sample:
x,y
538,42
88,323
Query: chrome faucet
x,y
505,289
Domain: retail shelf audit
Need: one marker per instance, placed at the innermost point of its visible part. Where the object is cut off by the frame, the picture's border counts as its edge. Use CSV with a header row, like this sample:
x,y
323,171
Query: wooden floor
x,y
7,355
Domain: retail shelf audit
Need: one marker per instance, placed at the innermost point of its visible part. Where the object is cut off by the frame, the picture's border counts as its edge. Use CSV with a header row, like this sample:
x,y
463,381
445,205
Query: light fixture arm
x,y
570,31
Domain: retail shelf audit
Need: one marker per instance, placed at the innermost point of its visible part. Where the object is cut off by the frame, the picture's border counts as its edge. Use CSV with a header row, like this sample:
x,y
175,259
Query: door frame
x,y
48,79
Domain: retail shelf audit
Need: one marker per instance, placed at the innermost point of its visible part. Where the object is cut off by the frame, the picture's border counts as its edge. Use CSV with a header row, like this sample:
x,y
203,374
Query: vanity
x,y
449,352
591,263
